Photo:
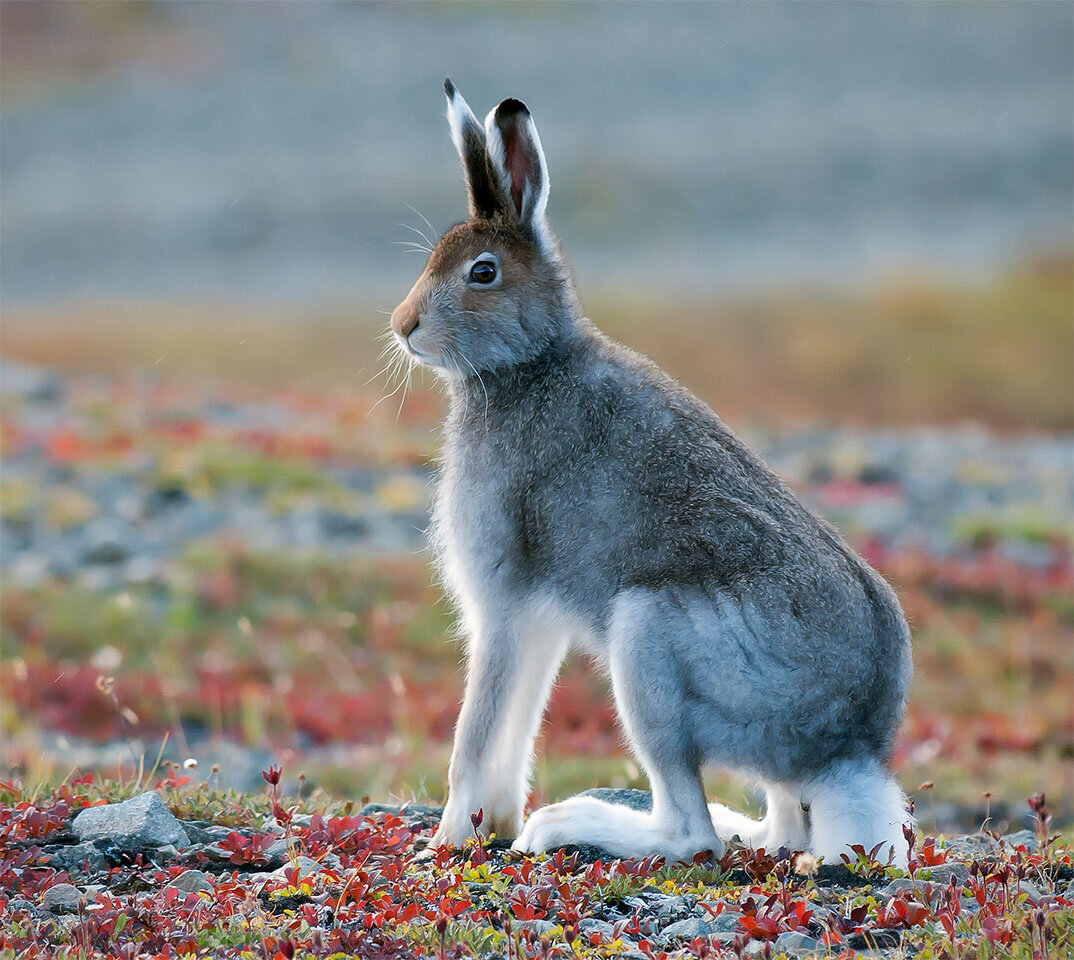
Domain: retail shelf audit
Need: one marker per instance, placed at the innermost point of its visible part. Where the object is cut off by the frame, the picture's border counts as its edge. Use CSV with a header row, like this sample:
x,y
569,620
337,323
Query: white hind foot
x,y
857,802
621,831
784,823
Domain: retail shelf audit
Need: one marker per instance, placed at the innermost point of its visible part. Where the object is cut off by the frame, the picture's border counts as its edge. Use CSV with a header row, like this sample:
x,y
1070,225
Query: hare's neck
x,y
502,392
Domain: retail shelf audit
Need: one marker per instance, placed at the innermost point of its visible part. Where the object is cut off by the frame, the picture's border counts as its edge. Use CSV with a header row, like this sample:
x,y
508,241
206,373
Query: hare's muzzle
x,y
404,320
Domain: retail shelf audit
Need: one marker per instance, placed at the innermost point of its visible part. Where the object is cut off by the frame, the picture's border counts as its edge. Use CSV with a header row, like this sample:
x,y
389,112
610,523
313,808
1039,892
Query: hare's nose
x,y
404,320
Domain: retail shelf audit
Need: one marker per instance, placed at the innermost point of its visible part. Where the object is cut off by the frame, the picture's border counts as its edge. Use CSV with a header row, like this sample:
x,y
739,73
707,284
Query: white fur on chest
x,y
471,536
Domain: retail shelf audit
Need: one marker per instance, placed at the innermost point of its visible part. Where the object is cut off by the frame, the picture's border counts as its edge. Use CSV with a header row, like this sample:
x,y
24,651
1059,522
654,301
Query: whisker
x,y
479,380
407,226
432,229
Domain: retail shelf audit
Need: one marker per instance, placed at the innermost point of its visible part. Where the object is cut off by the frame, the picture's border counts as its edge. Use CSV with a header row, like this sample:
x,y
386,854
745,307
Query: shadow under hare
x,y
587,499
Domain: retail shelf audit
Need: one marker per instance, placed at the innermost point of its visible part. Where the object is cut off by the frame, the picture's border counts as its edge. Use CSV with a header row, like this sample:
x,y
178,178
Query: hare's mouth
x,y
417,356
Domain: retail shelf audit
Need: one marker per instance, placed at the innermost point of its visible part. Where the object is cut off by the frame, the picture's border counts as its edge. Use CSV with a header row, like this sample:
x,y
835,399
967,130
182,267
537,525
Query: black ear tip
x,y
511,107
449,88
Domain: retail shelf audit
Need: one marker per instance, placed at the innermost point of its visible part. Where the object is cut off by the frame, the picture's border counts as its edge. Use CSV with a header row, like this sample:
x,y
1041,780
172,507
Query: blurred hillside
x,y
204,150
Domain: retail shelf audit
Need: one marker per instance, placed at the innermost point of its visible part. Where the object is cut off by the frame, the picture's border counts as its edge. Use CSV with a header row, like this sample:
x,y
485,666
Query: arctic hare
x,y
587,499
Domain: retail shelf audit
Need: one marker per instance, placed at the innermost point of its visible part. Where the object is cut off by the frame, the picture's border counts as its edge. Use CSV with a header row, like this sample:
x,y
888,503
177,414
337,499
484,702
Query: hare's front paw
x,y
461,820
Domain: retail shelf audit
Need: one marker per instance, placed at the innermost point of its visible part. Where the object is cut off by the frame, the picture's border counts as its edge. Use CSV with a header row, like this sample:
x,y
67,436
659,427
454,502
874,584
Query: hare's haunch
x,y
587,499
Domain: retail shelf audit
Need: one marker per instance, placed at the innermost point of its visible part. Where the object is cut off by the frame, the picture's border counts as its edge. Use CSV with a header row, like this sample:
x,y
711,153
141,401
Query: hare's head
x,y
494,292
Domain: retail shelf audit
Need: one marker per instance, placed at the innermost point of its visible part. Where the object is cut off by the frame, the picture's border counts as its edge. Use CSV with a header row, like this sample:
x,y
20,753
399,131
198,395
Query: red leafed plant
x,y
770,919
901,913
246,851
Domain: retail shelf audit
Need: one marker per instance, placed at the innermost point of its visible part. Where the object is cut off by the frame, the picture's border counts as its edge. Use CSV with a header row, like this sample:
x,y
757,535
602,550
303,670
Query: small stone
x,y
874,940
1022,838
18,904
276,853
190,881
797,943
308,866
61,898
692,927
73,857
420,813
724,922
540,927
674,908
590,926
167,852
142,823
943,872
973,847
897,886
1030,890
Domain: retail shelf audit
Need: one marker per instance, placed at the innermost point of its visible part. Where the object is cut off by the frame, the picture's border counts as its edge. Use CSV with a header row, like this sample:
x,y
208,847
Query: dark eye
x,y
484,271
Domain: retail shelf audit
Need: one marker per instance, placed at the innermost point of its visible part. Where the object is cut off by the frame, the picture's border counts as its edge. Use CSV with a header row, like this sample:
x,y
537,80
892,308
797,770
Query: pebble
x,y
190,881
797,943
943,872
693,927
591,926
540,927
1031,891
675,908
61,898
308,866
18,904
1022,838
73,857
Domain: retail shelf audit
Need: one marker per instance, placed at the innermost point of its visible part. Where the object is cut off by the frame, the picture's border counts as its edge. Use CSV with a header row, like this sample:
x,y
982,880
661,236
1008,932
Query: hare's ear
x,y
517,163
469,138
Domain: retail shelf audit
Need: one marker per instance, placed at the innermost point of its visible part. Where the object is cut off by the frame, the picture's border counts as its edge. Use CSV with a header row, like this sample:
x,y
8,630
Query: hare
x,y
586,499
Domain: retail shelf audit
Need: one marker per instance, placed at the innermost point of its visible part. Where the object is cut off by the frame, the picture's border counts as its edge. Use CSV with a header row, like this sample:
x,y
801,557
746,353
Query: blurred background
x,y
846,226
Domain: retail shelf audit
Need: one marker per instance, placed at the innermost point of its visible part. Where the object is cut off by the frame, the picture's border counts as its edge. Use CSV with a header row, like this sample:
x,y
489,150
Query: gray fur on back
x,y
587,473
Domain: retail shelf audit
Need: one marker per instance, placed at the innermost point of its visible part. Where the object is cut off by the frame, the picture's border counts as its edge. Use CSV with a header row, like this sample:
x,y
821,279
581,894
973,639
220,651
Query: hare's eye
x,y
484,271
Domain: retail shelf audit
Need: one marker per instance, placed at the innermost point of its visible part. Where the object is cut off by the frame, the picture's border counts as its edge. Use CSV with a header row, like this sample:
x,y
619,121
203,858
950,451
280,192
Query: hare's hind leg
x,y
857,802
657,714
783,825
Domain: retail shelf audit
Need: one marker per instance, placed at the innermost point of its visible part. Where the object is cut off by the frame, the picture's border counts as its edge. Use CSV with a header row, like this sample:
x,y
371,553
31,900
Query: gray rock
x,y
190,881
724,922
973,847
898,885
540,927
308,866
943,872
591,926
108,540
427,816
141,823
674,908
797,943
276,853
73,857
1022,838
61,898
19,904
693,927
634,799
1030,890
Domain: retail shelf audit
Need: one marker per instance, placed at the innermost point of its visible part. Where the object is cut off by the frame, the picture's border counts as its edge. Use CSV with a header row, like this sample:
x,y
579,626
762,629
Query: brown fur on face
x,y
444,313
